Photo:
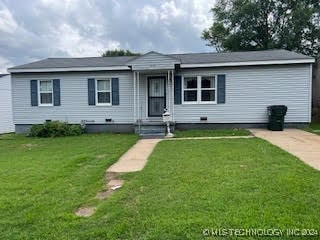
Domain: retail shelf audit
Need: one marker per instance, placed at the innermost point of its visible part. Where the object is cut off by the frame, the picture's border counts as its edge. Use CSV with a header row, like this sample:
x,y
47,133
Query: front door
x,y
156,96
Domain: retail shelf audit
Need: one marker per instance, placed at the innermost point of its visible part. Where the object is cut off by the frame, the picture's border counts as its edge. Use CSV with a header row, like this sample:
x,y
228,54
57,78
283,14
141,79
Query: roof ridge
x,y
226,52
87,57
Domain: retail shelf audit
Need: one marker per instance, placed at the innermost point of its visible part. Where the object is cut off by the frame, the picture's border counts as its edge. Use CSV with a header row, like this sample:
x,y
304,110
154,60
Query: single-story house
x,y
6,122
200,90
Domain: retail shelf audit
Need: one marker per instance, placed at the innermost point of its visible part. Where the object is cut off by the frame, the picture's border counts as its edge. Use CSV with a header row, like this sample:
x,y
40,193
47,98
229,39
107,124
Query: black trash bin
x,y
276,115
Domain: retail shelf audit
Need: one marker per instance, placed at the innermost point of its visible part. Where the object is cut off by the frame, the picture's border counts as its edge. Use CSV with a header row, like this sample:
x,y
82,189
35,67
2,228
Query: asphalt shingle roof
x,y
76,62
191,58
187,58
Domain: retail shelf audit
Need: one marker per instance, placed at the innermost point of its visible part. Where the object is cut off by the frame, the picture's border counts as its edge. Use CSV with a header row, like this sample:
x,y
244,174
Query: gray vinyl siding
x,y
74,99
249,90
6,124
153,61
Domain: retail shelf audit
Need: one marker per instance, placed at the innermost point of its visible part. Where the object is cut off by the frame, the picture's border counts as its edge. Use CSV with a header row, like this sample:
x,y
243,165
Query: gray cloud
x,y
32,30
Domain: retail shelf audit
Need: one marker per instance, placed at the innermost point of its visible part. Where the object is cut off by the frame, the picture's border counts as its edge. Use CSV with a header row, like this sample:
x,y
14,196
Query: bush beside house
x,y
55,129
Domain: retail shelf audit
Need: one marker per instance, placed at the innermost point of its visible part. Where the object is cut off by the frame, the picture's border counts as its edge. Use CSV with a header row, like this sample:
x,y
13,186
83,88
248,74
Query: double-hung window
x,y
190,93
45,93
103,93
199,89
208,89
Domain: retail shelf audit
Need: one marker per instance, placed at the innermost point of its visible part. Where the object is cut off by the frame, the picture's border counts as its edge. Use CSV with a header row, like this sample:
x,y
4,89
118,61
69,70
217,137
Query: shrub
x,y
55,129
75,130
36,130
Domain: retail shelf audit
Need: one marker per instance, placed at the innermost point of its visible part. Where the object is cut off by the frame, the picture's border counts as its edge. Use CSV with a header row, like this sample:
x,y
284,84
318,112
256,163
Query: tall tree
x,y
265,24
119,52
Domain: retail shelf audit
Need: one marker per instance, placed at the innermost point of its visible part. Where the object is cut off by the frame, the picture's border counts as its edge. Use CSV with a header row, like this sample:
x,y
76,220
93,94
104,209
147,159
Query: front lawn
x,y
187,186
191,185
44,180
212,133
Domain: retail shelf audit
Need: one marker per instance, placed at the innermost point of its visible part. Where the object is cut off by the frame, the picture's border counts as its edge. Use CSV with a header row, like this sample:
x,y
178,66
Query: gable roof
x,y
169,56
152,61
186,60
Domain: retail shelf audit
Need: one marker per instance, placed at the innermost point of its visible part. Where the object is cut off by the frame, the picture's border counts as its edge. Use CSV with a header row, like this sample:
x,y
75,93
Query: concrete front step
x,y
152,129
152,136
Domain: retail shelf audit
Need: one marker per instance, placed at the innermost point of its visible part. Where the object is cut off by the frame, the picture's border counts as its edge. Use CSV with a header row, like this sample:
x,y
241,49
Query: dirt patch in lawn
x,y
29,146
101,156
113,183
85,211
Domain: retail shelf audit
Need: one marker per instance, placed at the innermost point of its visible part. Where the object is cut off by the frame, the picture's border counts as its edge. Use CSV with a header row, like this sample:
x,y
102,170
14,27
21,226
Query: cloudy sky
x,y
37,29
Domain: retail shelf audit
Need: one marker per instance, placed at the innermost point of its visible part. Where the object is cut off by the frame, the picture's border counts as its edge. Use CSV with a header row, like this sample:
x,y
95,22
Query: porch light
x,y
166,117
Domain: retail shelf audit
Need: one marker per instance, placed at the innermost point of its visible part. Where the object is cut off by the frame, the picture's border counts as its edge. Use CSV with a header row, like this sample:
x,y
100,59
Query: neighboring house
x,y
6,123
316,91
199,90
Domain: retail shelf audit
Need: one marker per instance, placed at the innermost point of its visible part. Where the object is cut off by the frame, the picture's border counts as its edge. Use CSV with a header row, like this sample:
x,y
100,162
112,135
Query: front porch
x,y
153,94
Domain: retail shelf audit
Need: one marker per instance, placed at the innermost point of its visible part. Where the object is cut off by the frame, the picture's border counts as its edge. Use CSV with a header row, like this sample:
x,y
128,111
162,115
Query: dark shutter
x,y
115,91
34,92
177,89
91,91
221,88
56,92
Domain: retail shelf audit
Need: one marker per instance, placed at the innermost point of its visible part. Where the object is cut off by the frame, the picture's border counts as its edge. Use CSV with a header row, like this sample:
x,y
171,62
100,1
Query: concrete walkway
x,y
302,144
135,158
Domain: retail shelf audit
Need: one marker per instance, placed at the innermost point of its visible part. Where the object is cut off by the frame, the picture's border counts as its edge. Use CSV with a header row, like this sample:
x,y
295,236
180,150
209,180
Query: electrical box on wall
x,y
203,118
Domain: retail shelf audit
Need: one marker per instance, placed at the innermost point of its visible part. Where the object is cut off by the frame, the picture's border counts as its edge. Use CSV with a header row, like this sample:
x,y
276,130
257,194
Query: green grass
x,y
211,133
186,186
44,180
313,128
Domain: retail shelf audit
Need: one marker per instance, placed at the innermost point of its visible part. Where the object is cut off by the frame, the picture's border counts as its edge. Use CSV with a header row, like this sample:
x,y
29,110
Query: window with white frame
x,y
208,89
45,92
199,89
103,93
190,92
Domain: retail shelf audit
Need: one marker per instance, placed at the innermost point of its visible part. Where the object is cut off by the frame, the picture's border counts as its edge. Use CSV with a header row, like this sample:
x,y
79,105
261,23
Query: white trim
x,y
246,63
39,93
190,89
66,69
110,91
199,89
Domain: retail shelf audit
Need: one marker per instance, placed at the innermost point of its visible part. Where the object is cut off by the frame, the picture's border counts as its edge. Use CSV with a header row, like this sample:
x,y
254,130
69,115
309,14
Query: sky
x,y
36,29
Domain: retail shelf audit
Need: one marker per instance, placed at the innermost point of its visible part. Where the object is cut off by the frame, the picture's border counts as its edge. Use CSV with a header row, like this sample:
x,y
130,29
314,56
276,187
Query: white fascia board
x,y
249,63
71,69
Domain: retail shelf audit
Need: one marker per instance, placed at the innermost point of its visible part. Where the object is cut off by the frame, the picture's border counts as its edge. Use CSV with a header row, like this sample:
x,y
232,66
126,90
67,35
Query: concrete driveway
x,y
302,144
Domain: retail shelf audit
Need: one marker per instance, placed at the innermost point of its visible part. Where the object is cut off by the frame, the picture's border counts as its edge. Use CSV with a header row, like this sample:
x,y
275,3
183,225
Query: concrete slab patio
x,y
135,158
302,144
